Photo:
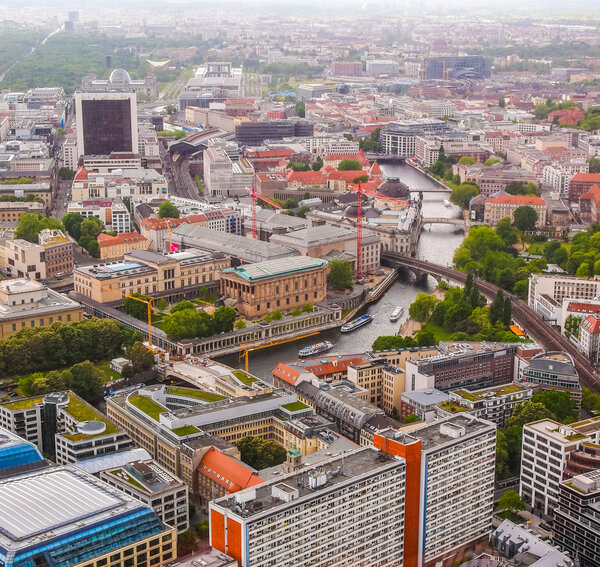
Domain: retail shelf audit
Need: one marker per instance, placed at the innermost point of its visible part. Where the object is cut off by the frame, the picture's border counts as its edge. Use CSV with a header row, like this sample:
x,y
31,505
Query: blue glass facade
x,y
18,455
87,543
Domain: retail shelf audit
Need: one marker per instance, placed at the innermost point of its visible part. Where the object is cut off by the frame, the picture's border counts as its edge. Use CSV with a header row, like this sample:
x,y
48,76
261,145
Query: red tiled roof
x,y
583,307
108,240
81,174
309,177
288,374
517,200
586,177
347,176
593,193
375,169
161,224
226,471
591,324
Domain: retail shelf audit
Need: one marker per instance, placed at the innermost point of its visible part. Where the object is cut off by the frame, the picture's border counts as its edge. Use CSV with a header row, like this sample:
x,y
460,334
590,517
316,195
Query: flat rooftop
x,y
426,396
54,499
445,432
338,470
53,302
552,430
489,393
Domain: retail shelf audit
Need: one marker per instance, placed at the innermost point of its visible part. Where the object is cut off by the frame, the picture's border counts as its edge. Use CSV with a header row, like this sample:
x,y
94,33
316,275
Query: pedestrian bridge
x,y
444,220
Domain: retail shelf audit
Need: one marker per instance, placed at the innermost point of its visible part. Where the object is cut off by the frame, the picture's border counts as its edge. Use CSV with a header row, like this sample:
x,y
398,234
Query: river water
x,y
437,244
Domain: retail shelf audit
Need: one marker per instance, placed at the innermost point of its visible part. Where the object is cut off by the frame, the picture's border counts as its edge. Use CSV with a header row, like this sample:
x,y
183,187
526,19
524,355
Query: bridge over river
x,y
533,324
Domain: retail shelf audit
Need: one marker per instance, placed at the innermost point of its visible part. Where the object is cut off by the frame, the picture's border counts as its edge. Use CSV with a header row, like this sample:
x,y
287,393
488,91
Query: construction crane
x,y
256,196
246,349
148,302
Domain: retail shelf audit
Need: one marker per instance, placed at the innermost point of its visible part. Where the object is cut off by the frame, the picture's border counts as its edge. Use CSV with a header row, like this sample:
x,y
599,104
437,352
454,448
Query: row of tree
x,y
60,345
31,224
393,342
582,258
85,231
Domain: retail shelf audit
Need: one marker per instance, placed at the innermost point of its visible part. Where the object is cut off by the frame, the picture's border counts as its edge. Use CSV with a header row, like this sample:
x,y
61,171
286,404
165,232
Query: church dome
x,y
119,76
394,188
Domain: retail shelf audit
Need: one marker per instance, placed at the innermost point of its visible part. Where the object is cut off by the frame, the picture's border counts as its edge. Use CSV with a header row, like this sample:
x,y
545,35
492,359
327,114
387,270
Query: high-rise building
x,y
577,518
346,510
449,487
106,123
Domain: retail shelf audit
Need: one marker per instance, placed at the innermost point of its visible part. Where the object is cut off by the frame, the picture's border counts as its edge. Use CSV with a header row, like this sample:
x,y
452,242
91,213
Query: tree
x,y
30,225
298,166
340,274
425,338
349,165
583,270
525,218
561,257
411,418
186,543
467,160
521,288
135,308
240,324
183,324
259,453
224,318
491,161
162,304
86,381
590,401
507,279
316,167
527,412
300,109
559,403
511,502
168,210
141,357
422,307
497,308
541,111
64,174
507,312
550,248
506,231
181,305
92,226
594,164
463,194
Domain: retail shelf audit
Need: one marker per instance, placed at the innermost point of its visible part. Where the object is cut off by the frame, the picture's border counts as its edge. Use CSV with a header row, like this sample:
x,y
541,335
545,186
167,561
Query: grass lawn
x,y
199,394
536,248
185,430
244,377
148,406
206,300
439,333
295,406
107,371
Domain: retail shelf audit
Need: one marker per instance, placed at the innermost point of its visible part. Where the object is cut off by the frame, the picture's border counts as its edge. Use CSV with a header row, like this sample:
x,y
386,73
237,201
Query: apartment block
x,y
151,484
497,208
449,487
65,426
422,403
118,246
384,382
494,404
345,510
553,452
558,287
462,365
577,518
553,371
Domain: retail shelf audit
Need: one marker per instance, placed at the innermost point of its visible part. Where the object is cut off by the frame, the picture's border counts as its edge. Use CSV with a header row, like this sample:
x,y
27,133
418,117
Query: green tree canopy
x,y
463,194
30,225
422,307
340,274
300,109
261,454
506,231
298,166
594,164
467,160
72,223
168,210
527,412
349,165
525,218
510,501
559,403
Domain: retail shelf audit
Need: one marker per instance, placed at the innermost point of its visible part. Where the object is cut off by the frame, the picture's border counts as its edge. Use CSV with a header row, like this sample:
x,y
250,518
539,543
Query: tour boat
x,y
315,349
396,314
353,325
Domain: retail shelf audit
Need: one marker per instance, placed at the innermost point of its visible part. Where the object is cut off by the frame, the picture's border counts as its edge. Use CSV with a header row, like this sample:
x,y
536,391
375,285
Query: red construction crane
x,y
256,196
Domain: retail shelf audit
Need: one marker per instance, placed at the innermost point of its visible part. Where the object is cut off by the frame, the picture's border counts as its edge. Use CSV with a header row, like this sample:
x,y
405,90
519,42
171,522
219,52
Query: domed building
x,y
394,188
120,80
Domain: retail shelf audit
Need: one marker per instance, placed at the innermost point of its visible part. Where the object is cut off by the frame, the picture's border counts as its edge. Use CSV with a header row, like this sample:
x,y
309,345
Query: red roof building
x,y
580,183
119,245
589,337
219,474
287,374
589,204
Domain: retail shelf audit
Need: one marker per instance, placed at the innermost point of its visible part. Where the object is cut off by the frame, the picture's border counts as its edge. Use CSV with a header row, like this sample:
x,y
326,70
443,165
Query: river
x,y
437,244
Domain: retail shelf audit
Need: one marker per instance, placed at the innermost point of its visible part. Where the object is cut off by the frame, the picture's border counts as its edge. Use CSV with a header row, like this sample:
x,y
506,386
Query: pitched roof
x,y
308,177
82,173
288,374
583,307
591,324
108,240
227,471
593,193
161,224
348,176
586,177
517,200
375,169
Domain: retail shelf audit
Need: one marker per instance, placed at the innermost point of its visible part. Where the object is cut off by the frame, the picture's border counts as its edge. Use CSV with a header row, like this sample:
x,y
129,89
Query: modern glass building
x,y
17,455
62,516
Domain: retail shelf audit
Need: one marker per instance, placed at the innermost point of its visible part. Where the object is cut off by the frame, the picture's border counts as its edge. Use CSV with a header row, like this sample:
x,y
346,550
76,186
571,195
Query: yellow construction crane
x,y
246,350
148,302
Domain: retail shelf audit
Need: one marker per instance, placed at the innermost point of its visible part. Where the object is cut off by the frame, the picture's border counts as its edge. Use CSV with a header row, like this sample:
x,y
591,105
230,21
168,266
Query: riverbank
x,y
412,326
432,177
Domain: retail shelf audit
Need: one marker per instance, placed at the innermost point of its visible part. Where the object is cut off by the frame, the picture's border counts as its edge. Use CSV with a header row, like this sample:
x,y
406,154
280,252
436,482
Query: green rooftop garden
x,y
244,377
80,411
570,485
185,430
480,394
148,406
23,404
452,407
123,475
295,406
198,394
575,437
